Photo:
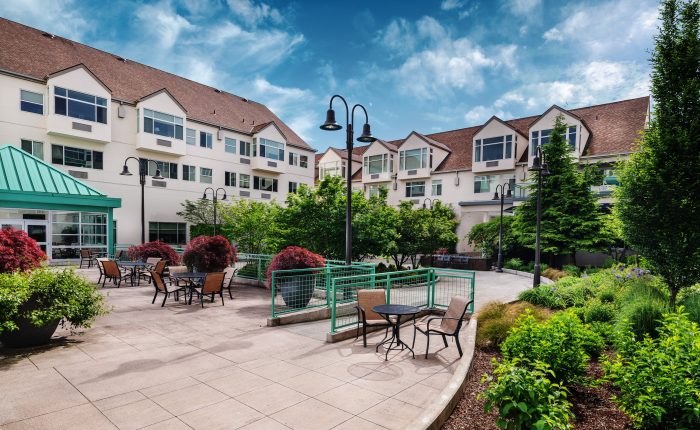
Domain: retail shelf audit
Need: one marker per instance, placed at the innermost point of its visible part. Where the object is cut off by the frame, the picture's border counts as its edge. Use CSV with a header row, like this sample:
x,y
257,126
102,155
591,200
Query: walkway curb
x,y
440,410
543,279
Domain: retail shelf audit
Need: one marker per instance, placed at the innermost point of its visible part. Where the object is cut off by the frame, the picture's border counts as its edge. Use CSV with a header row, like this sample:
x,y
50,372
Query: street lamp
x,y
508,195
539,165
214,197
432,201
365,137
143,172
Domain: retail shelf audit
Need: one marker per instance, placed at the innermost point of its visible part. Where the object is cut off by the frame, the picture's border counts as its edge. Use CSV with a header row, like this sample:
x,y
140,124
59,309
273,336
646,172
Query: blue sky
x,y
427,65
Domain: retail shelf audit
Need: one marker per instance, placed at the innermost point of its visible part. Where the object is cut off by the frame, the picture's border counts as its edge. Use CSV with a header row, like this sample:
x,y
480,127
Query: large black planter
x,y
28,334
298,290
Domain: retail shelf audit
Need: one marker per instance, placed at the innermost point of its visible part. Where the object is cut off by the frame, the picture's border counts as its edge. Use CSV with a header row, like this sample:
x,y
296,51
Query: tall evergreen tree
x,y
571,217
657,200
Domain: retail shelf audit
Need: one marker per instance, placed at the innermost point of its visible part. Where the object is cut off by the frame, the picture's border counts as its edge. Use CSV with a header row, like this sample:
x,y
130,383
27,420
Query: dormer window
x,y
331,168
162,124
493,148
80,105
271,149
541,137
380,163
413,159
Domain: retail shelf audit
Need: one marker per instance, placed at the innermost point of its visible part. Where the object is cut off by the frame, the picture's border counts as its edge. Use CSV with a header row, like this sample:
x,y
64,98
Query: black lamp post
x,y
503,195
215,198
366,137
539,165
432,201
143,172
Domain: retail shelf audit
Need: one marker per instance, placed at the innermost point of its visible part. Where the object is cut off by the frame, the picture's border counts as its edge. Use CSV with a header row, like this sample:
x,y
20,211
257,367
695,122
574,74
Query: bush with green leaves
x,y
514,264
641,306
563,341
659,379
598,311
544,295
497,318
47,295
571,270
526,397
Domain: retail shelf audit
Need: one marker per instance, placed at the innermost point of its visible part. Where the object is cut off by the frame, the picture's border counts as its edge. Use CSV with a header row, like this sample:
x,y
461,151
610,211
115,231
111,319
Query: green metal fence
x,y
300,289
423,288
253,266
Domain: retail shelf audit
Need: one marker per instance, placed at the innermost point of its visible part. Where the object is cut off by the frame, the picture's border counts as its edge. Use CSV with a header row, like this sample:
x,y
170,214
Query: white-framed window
x,y
413,159
271,149
541,137
230,145
205,175
415,189
244,148
33,147
293,159
493,148
162,124
436,185
380,163
304,161
76,157
263,183
189,173
373,190
230,179
293,187
331,168
80,105
484,184
206,140
173,233
167,169
191,136
30,101
244,180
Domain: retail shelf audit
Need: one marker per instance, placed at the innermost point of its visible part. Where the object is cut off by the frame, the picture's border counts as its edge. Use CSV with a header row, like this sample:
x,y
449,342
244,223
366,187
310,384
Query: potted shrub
x,y
154,249
296,290
209,254
18,251
32,304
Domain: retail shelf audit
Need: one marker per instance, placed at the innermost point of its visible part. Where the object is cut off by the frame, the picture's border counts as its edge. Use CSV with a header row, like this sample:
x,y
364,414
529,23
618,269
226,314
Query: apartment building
x,y
81,112
463,167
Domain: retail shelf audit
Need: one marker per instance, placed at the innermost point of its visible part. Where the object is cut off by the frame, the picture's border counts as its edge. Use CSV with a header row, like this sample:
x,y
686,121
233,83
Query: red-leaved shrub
x,y
294,257
18,251
209,254
441,251
154,249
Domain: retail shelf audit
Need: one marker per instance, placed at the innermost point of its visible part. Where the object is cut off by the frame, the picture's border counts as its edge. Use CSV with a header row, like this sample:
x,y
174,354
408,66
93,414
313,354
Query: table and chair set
x,y
374,312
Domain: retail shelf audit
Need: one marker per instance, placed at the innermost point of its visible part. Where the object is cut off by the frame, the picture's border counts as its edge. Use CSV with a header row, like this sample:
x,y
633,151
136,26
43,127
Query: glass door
x,y
37,230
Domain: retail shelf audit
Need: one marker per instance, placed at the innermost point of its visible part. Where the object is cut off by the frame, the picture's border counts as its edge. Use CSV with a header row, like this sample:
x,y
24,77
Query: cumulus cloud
x,y
254,13
481,113
294,105
451,4
523,7
61,17
163,22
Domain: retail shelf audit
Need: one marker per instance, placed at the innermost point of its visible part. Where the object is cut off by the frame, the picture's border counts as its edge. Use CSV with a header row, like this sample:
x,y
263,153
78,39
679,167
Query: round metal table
x,y
134,267
191,278
387,311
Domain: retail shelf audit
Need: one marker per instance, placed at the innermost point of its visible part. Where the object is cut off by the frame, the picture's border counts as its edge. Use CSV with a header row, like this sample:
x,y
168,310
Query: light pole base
x,y
499,270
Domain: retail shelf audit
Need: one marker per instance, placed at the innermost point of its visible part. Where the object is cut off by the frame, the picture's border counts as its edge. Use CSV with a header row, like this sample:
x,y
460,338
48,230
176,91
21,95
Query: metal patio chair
x,y
230,274
213,284
86,256
450,323
114,273
161,288
366,300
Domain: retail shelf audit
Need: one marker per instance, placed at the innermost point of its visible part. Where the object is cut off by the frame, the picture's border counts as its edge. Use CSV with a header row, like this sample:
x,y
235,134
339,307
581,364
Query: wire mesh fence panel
x,y
253,266
300,289
448,283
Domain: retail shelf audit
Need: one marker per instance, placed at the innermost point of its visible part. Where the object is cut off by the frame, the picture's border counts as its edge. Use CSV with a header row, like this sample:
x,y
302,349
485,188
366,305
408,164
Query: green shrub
x,y
544,296
576,295
563,342
607,295
496,319
642,304
526,398
605,330
692,307
658,378
59,295
597,311
514,264
572,270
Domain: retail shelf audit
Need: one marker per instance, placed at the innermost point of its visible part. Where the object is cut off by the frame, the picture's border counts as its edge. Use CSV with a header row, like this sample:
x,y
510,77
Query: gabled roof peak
x,y
75,67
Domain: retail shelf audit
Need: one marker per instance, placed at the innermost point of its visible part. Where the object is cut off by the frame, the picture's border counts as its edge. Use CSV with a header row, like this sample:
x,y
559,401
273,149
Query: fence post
x,y
388,289
333,303
472,292
329,279
272,287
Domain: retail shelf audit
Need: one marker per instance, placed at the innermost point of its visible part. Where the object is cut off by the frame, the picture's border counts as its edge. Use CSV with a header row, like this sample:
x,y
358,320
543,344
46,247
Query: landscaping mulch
x,y
592,406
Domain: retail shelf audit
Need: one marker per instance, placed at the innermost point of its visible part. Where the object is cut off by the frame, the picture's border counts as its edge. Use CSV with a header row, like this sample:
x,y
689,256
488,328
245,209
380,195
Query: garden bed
x,y
592,406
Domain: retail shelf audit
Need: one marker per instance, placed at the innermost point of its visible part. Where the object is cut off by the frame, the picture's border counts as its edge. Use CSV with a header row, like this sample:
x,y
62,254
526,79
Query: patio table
x,y
134,267
387,311
191,278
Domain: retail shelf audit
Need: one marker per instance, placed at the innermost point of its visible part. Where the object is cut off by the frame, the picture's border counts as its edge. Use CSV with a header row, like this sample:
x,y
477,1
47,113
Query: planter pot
x,y
298,290
28,335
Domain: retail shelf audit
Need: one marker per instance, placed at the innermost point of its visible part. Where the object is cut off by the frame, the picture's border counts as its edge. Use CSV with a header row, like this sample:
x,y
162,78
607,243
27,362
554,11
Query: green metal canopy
x,y
28,182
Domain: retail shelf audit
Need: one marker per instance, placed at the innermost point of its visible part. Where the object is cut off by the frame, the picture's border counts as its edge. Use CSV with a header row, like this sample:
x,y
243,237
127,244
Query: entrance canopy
x,y
27,182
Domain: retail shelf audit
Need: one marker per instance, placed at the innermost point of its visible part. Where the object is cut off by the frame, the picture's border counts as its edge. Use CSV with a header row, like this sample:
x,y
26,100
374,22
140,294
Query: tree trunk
x,y
674,292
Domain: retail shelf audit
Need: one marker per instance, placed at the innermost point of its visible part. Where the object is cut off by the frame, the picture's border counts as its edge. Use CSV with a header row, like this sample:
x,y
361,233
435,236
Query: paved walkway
x,y
180,367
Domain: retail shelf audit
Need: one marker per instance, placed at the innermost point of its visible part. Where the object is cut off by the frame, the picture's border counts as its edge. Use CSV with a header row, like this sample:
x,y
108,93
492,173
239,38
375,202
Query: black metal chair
x,y
163,289
366,300
113,272
230,274
450,324
213,284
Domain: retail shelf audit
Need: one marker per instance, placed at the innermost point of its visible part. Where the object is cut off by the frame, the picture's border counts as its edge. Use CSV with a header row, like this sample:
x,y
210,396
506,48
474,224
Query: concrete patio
x,y
181,366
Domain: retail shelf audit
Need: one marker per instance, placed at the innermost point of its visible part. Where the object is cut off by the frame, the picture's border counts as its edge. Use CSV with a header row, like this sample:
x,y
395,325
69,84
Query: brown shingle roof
x,y
614,128
26,51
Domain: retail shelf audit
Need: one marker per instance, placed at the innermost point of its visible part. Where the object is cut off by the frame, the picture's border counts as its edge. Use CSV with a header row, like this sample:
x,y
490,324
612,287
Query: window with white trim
x,y
167,169
484,183
189,173
415,189
33,147
191,136
80,105
541,137
293,186
30,101
263,183
413,159
293,159
230,145
173,233
76,157
493,148
205,175
304,161
373,190
244,148
380,163
271,149
331,168
436,186
244,180
230,179
162,124
206,140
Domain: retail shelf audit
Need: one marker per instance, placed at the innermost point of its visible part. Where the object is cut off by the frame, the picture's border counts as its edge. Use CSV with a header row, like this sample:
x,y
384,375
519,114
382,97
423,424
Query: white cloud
x,y
523,7
164,23
451,4
481,113
609,29
398,36
61,17
294,105
254,14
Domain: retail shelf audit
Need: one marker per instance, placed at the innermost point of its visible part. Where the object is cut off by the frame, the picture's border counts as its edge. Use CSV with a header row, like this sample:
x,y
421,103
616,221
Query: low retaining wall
x,y
543,280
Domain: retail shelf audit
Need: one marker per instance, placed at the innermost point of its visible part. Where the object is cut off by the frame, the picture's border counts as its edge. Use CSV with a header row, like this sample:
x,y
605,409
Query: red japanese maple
x,y
294,257
154,249
18,251
209,253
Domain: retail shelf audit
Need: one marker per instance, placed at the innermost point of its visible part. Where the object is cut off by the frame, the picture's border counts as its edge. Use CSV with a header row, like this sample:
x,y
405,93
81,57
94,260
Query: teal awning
x,y
28,182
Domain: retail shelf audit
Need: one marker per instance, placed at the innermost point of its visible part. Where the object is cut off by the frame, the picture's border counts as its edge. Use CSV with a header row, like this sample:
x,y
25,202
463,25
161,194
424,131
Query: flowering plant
x,y
294,257
154,249
18,251
209,254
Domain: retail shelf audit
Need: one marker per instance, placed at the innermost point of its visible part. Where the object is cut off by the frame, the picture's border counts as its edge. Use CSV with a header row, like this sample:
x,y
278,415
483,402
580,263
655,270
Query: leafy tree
x,y
440,228
375,228
484,236
200,214
571,218
252,225
656,200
